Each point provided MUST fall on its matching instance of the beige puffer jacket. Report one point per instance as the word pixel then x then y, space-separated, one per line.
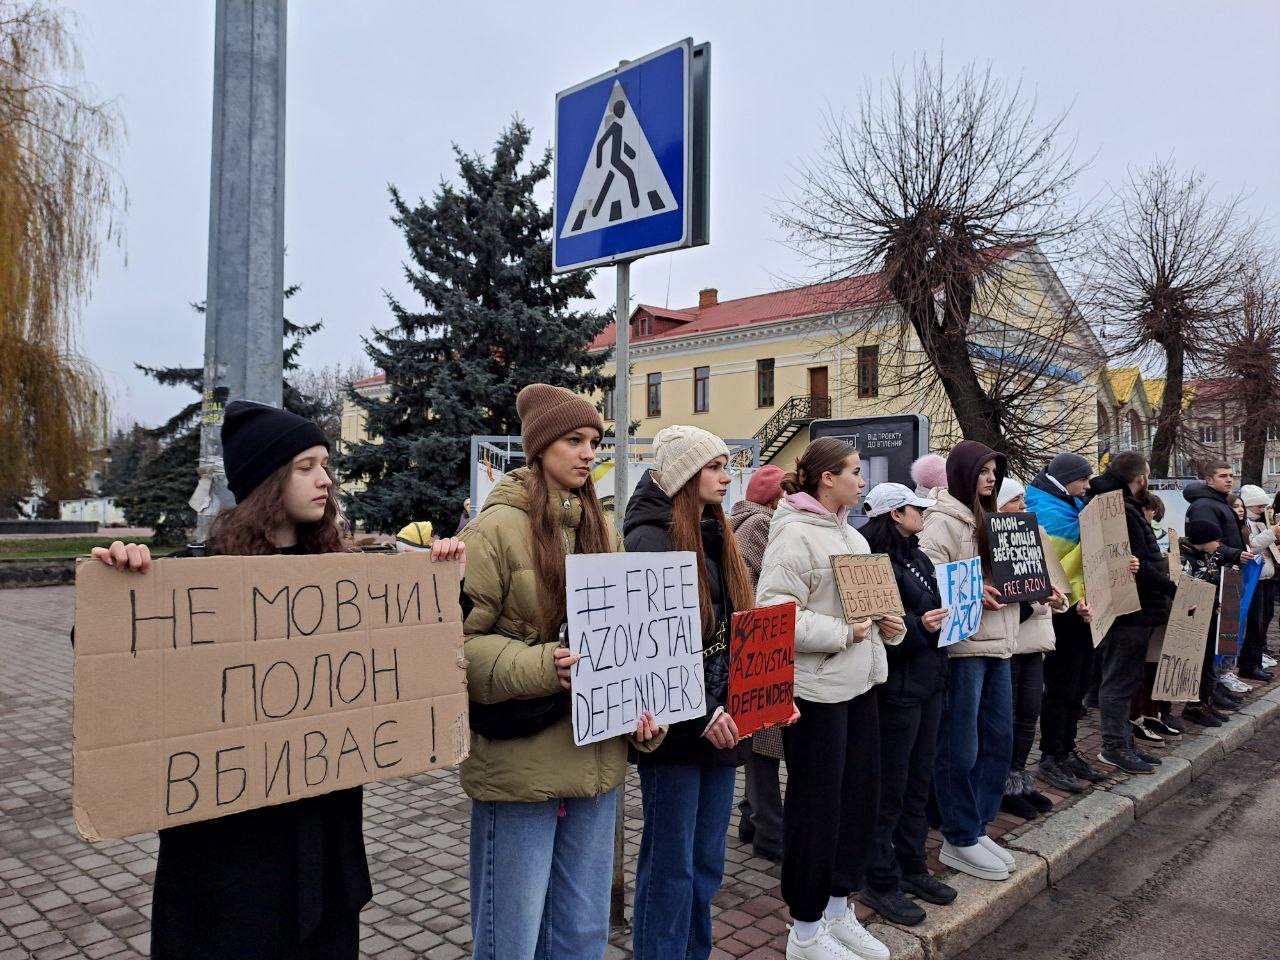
pixel 1035 634
pixel 803 538
pixel 949 535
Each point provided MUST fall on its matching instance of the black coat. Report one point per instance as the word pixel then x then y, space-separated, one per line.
pixel 1205 503
pixel 646 530
pixel 1155 589
pixel 284 882
pixel 917 667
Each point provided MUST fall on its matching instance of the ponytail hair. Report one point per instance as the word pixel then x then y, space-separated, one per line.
pixel 824 455
pixel 685 533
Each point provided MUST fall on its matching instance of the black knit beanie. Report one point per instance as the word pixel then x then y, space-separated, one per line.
pixel 1068 467
pixel 258 439
pixel 1200 532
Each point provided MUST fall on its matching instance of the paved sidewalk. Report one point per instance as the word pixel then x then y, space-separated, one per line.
pixel 61 897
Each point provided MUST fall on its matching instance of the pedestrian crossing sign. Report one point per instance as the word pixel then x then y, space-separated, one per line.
pixel 627 181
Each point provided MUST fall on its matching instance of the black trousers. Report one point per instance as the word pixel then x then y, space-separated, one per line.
pixel 1068 671
pixel 1027 671
pixel 1209 676
pixel 1124 654
pixel 833 790
pixel 908 744
pixel 761 804
pixel 1257 621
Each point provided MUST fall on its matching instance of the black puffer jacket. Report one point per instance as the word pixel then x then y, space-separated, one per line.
pixel 1155 589
pixel 1205 503
pixel 917 667
pixel 646 530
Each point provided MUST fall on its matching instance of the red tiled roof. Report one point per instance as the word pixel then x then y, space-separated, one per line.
pixel 813 300
pixel 375 381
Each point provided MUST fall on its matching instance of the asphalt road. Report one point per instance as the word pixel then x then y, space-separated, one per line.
pixel 1198 877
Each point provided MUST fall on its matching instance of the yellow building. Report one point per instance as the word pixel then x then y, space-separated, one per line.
pixel 766 366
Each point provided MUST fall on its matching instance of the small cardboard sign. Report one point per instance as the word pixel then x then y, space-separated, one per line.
pixel 635 622
pixel 762 667
pixel 1109 586
pixel 867 585
pixel 1182 652
pixel 960 583
pixel 1230 623
pixel 1174 558
pixel 215 685
pixel 1018 566
pixel 1057 574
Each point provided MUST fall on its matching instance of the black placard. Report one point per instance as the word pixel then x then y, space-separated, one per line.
pixel 1018 567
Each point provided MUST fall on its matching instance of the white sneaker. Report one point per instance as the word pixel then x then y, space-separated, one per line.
pixel 1005 856
pixel 1269 661
pixel 857 938
pixel 822 947
pixel 975 860
pixel 1234 683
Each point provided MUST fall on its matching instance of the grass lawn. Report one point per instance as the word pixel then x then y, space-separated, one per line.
pixel 63 548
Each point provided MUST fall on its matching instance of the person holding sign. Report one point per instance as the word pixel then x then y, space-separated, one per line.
pixel 1198 551
pixel 1124 649
pixel 976 740
pixel 1026 669
pixel 910 705
pixel 687 782
pixel 283 882
pixel 1258 617
pixel 543 810
pixel 833 750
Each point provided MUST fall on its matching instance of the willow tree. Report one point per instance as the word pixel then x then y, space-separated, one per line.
pixel 59 200
pixel 943 195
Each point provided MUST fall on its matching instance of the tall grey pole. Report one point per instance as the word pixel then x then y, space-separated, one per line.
pixel 244 318
pixel 622 391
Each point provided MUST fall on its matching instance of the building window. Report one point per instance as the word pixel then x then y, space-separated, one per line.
pixel 1273 465
pixel 642 327
pixel 1235 468
pixel 701 389
pixel 608 404
pixel 764 383
pixel 654 395
pixel 868 372
pixel 1238 432
pixel 1273 434
pixel 1208 433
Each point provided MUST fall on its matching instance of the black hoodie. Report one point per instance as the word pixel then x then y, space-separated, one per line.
pixel 1205 503
pixel 1155 589
pixel 646 529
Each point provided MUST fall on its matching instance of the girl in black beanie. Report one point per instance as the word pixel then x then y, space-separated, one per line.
pixel 284 882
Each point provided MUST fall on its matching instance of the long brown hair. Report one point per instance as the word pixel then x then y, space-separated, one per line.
pixel 824 455
pixel 245 530
pixel 549 546
pixel 685 533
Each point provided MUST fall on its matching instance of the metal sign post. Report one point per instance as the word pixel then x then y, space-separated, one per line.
pixel 621 391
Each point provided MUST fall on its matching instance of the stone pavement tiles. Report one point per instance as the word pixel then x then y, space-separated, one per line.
pixel 61 897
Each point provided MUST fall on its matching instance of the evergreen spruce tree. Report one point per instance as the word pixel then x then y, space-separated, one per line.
pixel 128 451
pixel 158 495
pixel 494 319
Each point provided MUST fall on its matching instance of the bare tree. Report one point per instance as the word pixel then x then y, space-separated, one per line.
pixel 58 198
pixel 1165 278
pixel 952 191
pixel 327 388
pixel 1248 355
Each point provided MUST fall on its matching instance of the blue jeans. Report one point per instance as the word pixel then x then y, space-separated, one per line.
pixel 540 879
pixel 681 864
pixel 975 746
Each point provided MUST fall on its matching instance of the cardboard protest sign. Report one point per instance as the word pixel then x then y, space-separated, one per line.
pixel 1182 652
pixel 1104 541
pixel 867 586
pixel 960 583
pixel 1174 557
pixel 1230 621
pixel 634 620
pixel 216 685
pixel 762 651
pixel 1057 575
pixel 1018 566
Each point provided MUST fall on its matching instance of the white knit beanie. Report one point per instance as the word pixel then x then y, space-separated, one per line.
pixel 679 452
pixel 1254 496
pixel 1010 489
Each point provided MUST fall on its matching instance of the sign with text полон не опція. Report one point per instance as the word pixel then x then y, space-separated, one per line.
pixel 216 685
pixel 635 622
pixel 1018 566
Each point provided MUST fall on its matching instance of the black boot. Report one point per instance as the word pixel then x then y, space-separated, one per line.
pixel 893 906
pixel 930 889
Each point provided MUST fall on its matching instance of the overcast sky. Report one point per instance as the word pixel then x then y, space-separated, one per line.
pixel 378 90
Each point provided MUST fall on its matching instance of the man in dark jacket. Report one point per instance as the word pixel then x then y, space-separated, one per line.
pixel 1124 649
pixel 1208 501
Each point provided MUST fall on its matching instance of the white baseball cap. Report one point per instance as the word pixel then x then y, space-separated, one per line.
pixel 893 496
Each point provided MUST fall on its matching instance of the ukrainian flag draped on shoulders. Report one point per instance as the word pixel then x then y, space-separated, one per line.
pixel 1059 514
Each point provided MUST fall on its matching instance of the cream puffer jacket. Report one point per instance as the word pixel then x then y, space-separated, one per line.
pixel 803 537
pixel 949 535
pixel 1035 634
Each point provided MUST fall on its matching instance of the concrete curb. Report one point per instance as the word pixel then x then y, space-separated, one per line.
pixel 1049 851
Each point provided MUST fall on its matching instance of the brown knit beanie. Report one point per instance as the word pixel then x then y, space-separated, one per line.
pixel 547 413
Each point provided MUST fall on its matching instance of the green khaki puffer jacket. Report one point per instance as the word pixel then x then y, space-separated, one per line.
pixel 506 660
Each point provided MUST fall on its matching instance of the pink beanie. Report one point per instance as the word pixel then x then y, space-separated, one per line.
pixel 765 485
pixel 930 472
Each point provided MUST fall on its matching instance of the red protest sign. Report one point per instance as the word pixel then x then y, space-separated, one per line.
pixel 762 667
